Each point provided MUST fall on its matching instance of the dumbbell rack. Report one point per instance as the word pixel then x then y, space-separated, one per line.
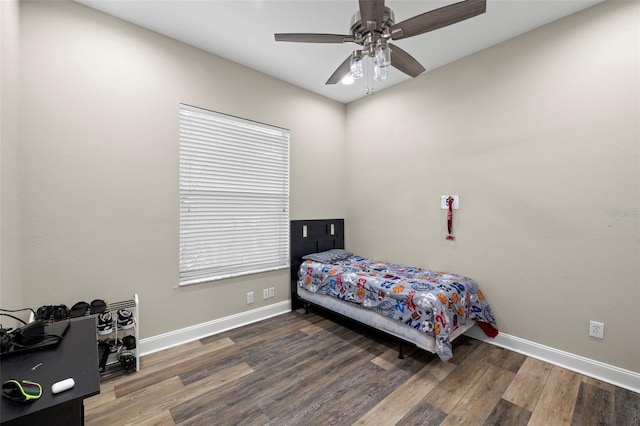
pixel 113 366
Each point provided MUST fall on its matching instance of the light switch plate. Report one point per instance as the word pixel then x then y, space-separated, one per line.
pixel 445 206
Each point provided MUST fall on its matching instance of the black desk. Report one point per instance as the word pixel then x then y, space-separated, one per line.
pixel 77 357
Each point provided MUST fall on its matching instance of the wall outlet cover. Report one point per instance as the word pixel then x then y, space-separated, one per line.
pixel 596 329
pixel 445 206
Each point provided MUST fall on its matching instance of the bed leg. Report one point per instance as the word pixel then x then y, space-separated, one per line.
pixel 401 353
pixel 306 308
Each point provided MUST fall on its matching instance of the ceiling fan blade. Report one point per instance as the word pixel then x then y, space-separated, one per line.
pixel 314 38
pixel 438 18
pixel 341 71
pixel 372 10
pixel 405 62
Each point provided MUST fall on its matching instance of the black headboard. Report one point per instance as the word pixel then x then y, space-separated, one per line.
pixel 321 235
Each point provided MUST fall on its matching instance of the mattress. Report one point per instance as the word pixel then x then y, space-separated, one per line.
pixel 428 308
pixel 379 322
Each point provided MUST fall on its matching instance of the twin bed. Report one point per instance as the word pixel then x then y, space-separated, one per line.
pixel 426 308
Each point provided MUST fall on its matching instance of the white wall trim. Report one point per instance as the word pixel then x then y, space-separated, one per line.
pixel 598 370
pixel 184 335
pixel 607 373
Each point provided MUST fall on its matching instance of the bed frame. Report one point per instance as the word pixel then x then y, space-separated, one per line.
pixel 312 236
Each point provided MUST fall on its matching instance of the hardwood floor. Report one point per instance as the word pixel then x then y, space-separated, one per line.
pixel 297 369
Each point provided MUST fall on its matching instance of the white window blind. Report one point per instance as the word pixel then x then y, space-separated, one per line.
pixel 234 196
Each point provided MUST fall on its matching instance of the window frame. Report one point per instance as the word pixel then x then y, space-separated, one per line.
pixel 234 196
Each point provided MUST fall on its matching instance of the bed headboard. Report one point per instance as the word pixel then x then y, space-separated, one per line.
pixel 312 236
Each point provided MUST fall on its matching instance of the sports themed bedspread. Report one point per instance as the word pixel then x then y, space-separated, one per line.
pixel 434 302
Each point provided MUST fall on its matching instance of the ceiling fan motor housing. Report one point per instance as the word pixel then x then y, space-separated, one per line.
pixel 368 33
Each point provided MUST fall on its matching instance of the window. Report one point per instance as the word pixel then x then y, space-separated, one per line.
pixel 234 196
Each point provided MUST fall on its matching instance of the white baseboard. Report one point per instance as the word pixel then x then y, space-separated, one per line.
pixel 607 373
pixel 598 370
pixel 198 331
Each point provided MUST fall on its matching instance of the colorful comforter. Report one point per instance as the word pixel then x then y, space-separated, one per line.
pixel 434 302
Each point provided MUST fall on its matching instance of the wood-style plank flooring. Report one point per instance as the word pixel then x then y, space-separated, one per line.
pixel 315 369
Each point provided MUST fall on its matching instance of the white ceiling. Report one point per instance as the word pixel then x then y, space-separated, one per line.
pixel 242 31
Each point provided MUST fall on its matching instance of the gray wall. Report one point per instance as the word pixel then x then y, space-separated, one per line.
pixel 539 138
pixel 10 213
pixel 98 161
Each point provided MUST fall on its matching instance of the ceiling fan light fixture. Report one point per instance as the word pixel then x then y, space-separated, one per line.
pixel 347 80
pixel 356 67
pixel 382 54
pixel 373 26
pixel 380 73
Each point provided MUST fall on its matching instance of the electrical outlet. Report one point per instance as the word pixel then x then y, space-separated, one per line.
pixel 272 292
pixel 596 329
pixel 444 202
pixel 249 298
pixel 265 293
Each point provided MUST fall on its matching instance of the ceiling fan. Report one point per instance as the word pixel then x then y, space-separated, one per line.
pixel 373 25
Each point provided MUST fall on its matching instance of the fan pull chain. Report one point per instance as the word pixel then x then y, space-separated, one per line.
pixel 370 89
